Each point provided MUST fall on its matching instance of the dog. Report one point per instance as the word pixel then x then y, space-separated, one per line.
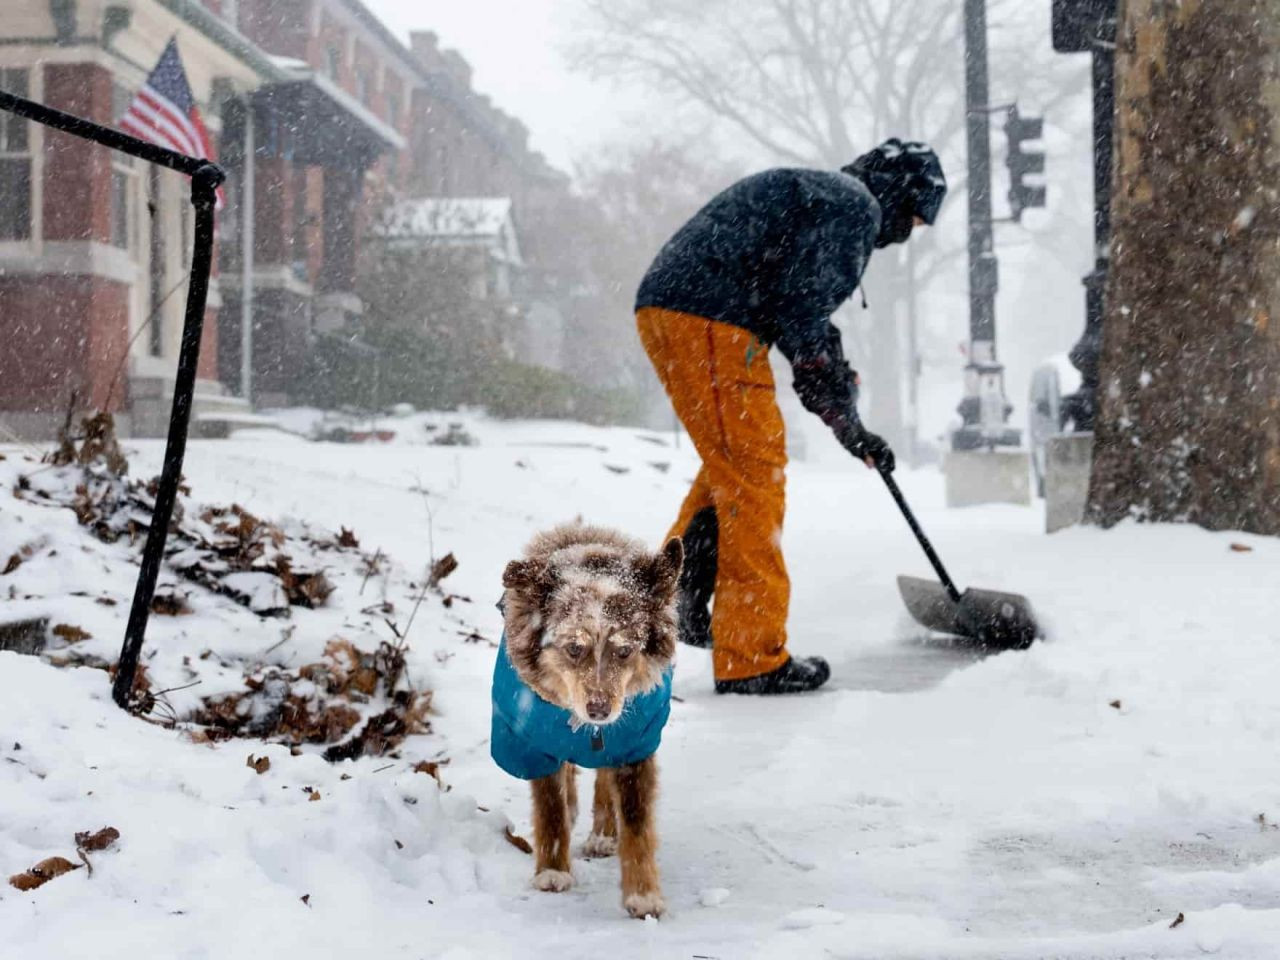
pixel 583 679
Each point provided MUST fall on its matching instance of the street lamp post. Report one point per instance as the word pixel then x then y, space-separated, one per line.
pixel 985 410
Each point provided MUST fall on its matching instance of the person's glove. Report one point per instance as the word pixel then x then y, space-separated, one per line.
pixel 870 448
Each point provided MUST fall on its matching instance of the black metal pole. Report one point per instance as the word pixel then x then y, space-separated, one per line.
pixel 205 177
pixel 1089 26
pixel 204 186
pixel 1081 407
pixel 88 130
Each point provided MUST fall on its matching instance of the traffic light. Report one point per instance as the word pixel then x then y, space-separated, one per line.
pixel 1024 162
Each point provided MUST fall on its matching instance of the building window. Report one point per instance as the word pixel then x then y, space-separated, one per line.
pixel 393 108
pixel 301 224
pixel 363 87
pixel 333 63
pixel 122 202
pixel 15 163
pixel 124 184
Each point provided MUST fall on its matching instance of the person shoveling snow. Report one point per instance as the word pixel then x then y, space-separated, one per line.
pixel 763 264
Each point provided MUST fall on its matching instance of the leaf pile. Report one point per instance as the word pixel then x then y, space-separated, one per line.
pixel 225 549
pixel 355 702
pixel 322 703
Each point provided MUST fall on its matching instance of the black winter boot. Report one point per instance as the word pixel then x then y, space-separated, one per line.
pixel 698 578
pixel 794 676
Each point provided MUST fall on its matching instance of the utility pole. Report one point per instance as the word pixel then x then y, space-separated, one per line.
pixel 984 409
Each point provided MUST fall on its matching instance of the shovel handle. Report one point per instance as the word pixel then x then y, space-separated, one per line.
pixel 923 540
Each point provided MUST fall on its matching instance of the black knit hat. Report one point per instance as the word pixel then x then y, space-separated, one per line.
pixel 896 172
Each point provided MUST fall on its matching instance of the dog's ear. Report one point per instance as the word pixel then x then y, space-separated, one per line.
pixel 520 573
pixel 661 572
pixel 529 585
pixel 663 577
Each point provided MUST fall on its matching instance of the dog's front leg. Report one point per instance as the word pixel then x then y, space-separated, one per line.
pixel 638 843
pixel 551 827
pixel 603 841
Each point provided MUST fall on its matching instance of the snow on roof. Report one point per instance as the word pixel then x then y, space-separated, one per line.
pixel 468 221
pixel 476 217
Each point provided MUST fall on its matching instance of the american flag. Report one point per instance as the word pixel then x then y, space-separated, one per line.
pixel 165 113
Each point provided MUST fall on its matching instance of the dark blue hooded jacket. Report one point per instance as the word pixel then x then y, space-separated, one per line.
pixel 531 738
pixel 778 252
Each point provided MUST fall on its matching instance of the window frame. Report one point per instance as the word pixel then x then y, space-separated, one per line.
pixel 394 107
pixel 125 175
pixel 29 151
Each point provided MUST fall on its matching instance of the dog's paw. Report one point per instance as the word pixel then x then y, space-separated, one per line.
pixel 553 881
pixel 641 905
pixel 599 846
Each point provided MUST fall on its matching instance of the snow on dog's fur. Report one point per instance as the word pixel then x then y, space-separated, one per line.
pixel 590 622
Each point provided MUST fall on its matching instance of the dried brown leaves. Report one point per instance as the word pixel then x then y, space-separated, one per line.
pixel 441 569
pixel 54 867
pixel 171 604
pixel 97 441
pixel 432 769
pixel 71 634
pixel 206 549
pixel 319 704
pixel 42 873
pixel 95 842
pixel 517 841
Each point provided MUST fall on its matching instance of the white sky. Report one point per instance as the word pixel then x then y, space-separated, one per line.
pixel 515 49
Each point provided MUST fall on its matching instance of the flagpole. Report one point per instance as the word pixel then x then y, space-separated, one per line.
pixel 247 240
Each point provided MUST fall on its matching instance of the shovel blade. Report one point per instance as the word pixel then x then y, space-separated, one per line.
pixel 992 619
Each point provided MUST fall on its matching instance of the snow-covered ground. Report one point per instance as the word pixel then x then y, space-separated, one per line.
pixel 1068 801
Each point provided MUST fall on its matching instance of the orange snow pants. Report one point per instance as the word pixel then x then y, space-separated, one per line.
pixel 718 378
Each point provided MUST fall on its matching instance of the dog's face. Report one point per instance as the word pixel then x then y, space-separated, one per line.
pixel 591 624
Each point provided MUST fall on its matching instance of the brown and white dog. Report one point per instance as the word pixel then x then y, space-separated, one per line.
pixel 591 631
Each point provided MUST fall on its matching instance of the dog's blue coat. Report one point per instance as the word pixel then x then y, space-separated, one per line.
pixel 531 738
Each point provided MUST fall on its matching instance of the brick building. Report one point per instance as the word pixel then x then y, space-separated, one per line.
pixel 320 115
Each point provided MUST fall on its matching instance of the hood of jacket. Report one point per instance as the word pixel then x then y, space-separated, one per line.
pixel 907 181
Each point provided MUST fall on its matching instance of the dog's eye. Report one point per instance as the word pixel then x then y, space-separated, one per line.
pixel 575 650
pixel 625 652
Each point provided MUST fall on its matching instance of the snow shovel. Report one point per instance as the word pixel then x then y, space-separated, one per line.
pixel 998 621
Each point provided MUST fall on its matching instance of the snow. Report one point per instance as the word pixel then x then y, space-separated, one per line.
pixel 930 803
pixel 454 216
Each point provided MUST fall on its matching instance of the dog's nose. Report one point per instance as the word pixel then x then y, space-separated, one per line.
pixel 597 708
